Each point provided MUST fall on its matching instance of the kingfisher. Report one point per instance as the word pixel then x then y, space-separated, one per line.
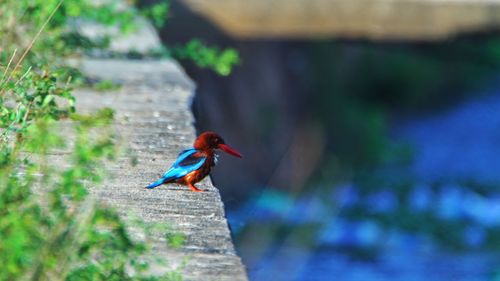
pixel 194 164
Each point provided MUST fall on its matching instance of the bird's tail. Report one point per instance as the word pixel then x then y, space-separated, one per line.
pixel 159 182
pixel 156 183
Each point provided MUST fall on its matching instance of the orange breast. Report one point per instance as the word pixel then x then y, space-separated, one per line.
pixel 198 175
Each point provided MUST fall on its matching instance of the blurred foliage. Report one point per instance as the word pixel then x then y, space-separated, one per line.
pixel 175 240
pixel 22 20
pixel 221 61
pixel 359 89
pixel 157 13
pixel 106 85
pixel 356 86
pixel 50 228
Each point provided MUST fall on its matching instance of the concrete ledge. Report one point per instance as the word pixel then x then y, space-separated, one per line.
pixel 374 19
pixel 153 123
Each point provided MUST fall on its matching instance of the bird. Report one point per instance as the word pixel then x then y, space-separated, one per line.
pixel 194 164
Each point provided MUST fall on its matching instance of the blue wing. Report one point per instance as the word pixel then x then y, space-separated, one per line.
pixel 187 162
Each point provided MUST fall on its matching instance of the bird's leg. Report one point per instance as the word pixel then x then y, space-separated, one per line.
pixel 194 188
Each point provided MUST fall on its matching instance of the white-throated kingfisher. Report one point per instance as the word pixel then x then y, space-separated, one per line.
pixel 194 164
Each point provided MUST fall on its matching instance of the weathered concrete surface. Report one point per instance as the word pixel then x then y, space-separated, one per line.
pixel 153 123
pixel 376 19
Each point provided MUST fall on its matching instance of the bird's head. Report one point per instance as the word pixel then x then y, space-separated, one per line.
pixel 210 140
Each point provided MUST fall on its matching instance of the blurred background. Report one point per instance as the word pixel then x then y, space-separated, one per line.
pixel 370 130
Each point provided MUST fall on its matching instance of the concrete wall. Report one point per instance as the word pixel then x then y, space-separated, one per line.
pixel 375 19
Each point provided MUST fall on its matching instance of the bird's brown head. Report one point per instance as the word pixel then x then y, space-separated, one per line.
pixel 210 140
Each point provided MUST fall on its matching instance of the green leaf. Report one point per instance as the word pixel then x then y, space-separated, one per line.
pixel 47 100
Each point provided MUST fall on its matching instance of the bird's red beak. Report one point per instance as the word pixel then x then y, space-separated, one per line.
pixel 230 150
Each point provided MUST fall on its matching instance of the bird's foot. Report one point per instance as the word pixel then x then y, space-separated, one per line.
pixel 194 188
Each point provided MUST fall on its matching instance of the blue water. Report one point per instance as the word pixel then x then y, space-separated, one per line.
pixel 391 253
pixel 460 143
pixel 443 228
pixel 293 264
